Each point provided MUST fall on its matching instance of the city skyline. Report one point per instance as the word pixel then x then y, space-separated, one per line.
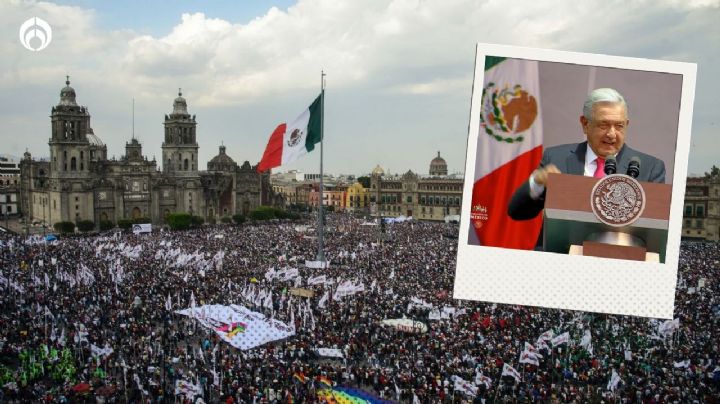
pixel 399 73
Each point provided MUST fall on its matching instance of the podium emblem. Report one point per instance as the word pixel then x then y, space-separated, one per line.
pixel 618 200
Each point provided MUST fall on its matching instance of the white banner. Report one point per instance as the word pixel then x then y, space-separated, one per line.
pixel 348 288
pixel 407 325
pixel 317 264
pixel 330 352
pixel 142 228
pixel 317 280
pixel 100 352
pixel 464 386
pixel 614 381
pixel 434 315
pixel 240 326
pixel 188 389
pixel 668 327
pixel 682 364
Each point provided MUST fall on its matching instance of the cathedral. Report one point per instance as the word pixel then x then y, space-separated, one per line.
pixel 79 182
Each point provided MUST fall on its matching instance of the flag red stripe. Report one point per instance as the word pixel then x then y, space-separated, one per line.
pixel 493 192
pixel 273 151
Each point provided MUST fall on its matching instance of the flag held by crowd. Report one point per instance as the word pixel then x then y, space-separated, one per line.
pixel 511 371
pixel 563 338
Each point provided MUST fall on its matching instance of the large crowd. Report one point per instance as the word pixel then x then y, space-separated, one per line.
pixel 94 318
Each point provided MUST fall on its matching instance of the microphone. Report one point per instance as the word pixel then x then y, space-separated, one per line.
pixel 634 167
pixel 610 165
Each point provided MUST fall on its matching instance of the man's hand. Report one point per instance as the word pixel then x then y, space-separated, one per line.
pixel 541 174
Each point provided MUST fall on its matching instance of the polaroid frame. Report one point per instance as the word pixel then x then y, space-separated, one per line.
pixel 536 278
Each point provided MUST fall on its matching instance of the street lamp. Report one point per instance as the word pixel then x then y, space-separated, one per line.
pixel 45 202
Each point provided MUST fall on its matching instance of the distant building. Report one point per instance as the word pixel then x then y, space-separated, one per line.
pixel 431 197
pixel 357 198
pixel 9 186
pixel 701 210
pixel 438 166
pixel 79 182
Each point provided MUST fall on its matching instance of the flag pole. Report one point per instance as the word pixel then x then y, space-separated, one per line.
pixel 321 224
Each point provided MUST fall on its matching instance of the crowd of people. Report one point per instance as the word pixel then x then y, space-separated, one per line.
pixel 94 318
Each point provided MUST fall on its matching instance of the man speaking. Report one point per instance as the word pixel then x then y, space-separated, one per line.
pixel 604 122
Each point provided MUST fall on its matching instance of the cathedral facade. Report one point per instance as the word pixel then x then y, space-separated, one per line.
pixel 79 182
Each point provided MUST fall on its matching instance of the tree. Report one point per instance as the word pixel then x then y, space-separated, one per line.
pixel 238 218
pixel 262 213
pixel 106 225
pixel 196 221
pixel 125 223
pixel 365 181
pixel 85 225
pixel 178 221
pixel 714 172
pixel 64 227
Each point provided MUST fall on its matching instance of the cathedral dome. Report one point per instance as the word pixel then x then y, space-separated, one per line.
pixel 94 140
pixel 438 166
pixel 221 162
pixel 67 94
pixel 378 170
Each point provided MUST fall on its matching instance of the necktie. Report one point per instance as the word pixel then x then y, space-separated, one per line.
pixel 600 170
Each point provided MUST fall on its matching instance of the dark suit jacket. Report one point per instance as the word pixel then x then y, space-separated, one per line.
pixel 570 159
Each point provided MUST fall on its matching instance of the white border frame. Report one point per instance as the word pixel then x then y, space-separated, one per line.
pixel 593 284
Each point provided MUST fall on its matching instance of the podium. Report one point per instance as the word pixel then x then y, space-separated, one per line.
pixel 571 225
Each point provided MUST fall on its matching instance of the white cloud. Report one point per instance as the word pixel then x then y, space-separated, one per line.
pixel 397 48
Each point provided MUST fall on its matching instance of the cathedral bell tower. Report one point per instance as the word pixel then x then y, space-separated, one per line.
pixel 70 124
pixel 180 148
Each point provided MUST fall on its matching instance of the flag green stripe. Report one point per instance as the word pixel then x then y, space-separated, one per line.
pixel 491 61
pixel 314 124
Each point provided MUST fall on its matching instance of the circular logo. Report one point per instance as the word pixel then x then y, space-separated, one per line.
pixel 35 34
pixel 618 200
pixel 295 138
pixel 507 112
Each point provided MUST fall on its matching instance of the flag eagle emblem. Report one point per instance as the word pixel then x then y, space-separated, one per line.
pixel 507 112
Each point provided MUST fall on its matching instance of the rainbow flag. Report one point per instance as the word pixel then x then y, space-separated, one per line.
pixel 347 395
pixel 300 377
pixel 327 383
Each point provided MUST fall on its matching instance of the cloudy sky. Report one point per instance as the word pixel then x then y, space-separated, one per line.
pixel 399 72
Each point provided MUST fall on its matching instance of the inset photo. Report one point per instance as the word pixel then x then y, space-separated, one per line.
pixel 575 177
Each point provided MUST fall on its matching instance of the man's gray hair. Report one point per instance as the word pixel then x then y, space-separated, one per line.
pixel 602 95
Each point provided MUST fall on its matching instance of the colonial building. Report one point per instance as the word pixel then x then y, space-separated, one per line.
pixel 701 213
pixel 357 198
pixel 79 182
pixel 9 186
pixel 431 197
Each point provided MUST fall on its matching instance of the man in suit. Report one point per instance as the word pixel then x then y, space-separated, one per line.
pixel 604 122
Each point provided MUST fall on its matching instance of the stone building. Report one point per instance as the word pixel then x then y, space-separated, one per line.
pixel 79 182
pixel 701 210
pixel 9 186
pixel 431 197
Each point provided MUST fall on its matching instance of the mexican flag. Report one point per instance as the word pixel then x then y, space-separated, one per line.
pixel 289 142
pixel 509 148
